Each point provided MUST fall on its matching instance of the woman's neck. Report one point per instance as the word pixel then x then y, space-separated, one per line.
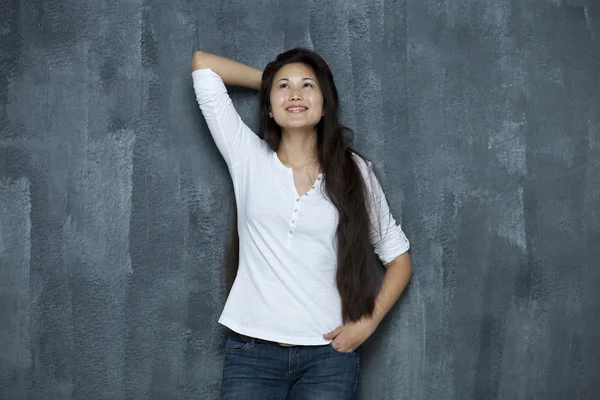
pixel 298 149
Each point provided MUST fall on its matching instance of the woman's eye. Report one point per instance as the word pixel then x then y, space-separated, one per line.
pixel 283 85
pixel 308 84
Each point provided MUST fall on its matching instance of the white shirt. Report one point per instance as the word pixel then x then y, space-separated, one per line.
pixel 285 289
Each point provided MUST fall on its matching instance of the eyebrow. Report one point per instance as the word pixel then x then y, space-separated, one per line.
pixel 286 79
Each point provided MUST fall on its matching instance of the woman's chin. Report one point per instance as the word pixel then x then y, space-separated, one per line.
pixel 298 125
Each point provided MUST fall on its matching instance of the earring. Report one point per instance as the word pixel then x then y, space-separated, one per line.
pixel 270 115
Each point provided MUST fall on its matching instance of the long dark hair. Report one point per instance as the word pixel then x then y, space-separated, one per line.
pixel 344 186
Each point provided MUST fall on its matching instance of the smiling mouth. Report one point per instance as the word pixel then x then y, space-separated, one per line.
pixel 296 109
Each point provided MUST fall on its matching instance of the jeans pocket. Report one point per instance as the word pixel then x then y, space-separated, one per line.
pixel 235 345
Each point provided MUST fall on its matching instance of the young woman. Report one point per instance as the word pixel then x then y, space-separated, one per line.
pixel 311 216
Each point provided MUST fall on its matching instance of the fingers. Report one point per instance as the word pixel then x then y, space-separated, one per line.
pixel 341 346
pixel 340 343
pixel 331 335
pixel 342 349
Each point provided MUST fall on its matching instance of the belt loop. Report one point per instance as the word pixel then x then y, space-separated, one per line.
pixel 252 342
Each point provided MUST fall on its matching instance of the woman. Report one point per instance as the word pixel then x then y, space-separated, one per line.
pixel 310 217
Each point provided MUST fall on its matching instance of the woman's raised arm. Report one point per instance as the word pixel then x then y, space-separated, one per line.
pixel 232 72
pixel 210 74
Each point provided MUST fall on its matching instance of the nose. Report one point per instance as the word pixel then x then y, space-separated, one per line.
pixel 295 95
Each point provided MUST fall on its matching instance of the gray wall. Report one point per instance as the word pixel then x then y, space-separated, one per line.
pixel 482 117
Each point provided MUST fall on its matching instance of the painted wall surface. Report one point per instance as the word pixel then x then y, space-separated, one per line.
pixel 482 119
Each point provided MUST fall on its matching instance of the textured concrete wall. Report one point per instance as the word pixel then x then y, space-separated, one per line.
pixel 482 117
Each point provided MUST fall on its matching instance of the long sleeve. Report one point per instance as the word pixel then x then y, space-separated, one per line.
pixel 233 138
pixel 387 237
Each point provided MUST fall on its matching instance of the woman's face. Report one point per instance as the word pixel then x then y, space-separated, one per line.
pixel 296 98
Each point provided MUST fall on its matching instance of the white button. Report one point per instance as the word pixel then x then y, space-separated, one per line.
pixel 297 199
pixel 293 221
pixel 313 187
pixel 319 178
pixel 295 210
pixel 291 232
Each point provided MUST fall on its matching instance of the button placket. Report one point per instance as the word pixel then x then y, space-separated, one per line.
pixel 294 217
pixel 296 209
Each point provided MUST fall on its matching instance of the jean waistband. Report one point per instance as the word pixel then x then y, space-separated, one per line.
pixel 257 340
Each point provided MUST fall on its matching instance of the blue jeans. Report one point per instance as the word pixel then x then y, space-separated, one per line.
pixel 267 371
